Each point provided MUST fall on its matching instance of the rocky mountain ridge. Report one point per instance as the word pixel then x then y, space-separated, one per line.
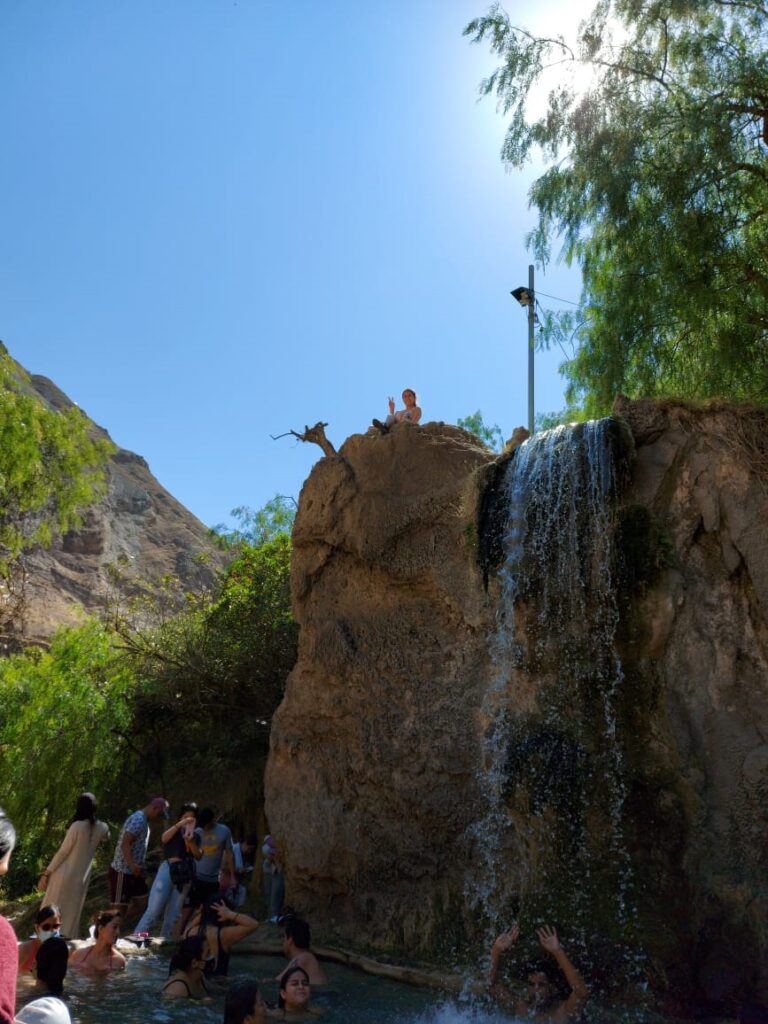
pixel 138 527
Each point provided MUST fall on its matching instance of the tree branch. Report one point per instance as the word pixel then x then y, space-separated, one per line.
pixel 316 435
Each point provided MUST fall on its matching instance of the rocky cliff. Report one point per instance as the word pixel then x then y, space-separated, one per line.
pixel 379 765
pixel 138 526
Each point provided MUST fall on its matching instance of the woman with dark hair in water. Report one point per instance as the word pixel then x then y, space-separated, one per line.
pixel 185 971
pixel 65 880
pixel 47 925
pixel 221 927
pixel 102 955
pixel 9 956
pixel 243 1005
pixel 295 993
pixel 52 962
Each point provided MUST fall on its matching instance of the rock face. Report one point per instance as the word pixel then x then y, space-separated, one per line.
pixel 374 749
pixel 376 770
pixel 696 645
pixel 138 526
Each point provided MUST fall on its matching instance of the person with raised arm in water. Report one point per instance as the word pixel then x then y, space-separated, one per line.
pixel 541 1002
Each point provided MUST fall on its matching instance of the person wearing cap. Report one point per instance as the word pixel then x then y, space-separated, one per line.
pixel 126 873
pixel 48 1010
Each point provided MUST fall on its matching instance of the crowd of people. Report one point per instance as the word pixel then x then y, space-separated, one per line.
pixel 198 891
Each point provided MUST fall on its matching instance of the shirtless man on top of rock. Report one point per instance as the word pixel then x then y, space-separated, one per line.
pixel 541 1002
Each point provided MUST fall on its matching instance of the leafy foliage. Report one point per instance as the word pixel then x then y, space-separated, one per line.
pixel 548 420
pixel 212 668
pixel 64 717
pixel 51 466
pixel 658 187
pixel 174 693
pixel 260 526
pixel 490 436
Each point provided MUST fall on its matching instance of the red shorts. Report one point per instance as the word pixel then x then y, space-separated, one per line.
pixel 123 888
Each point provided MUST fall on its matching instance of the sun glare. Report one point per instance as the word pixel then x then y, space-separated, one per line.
pixel 562 18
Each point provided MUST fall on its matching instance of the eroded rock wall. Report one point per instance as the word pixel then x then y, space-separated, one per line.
pixel 696 656
pixel 377 748
pixel 370 782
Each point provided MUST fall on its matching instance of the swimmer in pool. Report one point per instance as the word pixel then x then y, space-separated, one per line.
pixel 541 1002
pixel 186 970
pixel 102 955
pixel 295 993
pixel 243 1005
pixel 296 943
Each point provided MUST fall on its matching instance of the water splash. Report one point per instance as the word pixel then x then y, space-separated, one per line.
pixel 550 839
pixel 460 1013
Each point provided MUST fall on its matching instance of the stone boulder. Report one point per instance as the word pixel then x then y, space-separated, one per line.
pixel 377 752
pixel 372 766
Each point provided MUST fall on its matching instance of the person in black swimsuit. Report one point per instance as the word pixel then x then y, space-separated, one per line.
pixel 185 971
pixel 221 927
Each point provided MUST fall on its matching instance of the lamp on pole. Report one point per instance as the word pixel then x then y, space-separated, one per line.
pixel 526 298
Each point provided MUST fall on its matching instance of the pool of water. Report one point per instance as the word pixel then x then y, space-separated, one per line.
pixel 131 997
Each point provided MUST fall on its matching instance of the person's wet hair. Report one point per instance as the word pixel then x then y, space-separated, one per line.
pixel 85 808
pixel 7 834
pixel 239 1002
pixel 104 918
pixel 51 964
pixel 284 982
pixel 190 949
pixel 51 910
pixel 296 928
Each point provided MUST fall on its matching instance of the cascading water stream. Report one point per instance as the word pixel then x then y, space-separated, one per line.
pixel 549 839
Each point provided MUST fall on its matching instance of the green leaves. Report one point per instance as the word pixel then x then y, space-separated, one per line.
pixel 658 188
pixel 490 436
pixel 51 466
pixel 63 717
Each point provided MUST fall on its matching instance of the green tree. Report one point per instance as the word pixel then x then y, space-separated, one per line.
pixel 490 436
pixel 51 466
pixel 65 714
pixel 212 669
pixel 657 185
pixel 257 527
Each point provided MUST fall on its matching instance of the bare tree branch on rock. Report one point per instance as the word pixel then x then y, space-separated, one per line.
pixel 314 434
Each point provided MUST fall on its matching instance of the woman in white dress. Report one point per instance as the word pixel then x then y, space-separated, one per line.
pixel 65 880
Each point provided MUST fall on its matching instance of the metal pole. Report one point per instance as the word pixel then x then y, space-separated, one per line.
pixel 531 315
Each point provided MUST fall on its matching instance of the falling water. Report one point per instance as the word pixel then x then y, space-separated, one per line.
pixel 549 844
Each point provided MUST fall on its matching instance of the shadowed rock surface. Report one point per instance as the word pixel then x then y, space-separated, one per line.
pixel 138 526
pixel 376 765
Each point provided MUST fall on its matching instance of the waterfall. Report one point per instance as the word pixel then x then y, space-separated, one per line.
pixel 549 841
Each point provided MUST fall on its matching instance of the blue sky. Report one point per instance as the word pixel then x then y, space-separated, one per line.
pixel 222 220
